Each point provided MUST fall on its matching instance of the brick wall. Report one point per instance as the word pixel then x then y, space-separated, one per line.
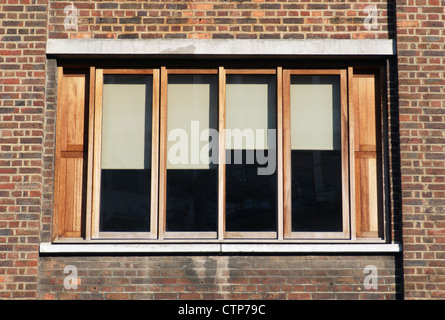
pixel 221 19
pixel 23 32
pixel 27 115
pixel 217 277
pixel 421 65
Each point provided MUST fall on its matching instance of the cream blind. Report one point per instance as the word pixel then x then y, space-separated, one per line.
pixel 315 113
pixel 250 111
pixel 192 120
pixel 126 122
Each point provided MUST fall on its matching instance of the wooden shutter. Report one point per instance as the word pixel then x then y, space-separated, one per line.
pixel 70 162
pixel 367 155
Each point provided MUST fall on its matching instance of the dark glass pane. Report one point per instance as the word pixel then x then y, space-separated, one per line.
pixel 192 200
pixel 251 198
pixel 316 191
pixel 126 153
pixel 125 200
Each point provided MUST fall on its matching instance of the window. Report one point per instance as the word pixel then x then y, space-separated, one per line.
pixel 189 169
pixel 125 150
pixel 315 156
pixel 222 154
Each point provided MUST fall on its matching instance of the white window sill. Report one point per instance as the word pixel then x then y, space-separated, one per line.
pixel 219 248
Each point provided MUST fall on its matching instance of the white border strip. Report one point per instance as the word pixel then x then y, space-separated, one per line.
pixel 126 248
pixel 221 47
pixel 48 247
pixel 314 248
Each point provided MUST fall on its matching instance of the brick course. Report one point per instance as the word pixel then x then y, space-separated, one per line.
pixel 259 19
pixel 218 277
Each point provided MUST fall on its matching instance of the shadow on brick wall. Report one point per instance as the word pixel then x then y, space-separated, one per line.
pixel 393 171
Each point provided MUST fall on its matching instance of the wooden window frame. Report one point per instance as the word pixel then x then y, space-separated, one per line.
pixel 95 137
pixel 163 233
pixel 237 235
pixel 284 233
pixel 288 233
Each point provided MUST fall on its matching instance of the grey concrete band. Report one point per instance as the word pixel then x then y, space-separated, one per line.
pixel 328 47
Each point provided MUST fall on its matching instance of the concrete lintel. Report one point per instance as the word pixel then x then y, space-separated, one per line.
pixel 278 47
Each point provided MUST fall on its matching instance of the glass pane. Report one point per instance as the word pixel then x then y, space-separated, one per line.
pixel 316 154
pixel 126 153
pixel 125 200
pixel 192 153
pixel 126 122
pixel 251 181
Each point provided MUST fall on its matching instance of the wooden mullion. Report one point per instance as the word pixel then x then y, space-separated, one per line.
pixel 279 151
pixel 222 155
pixel 345 152
pixel 89 188
pixel 287 171
pixel 155 156
pixel 96 175
pixel 163 155
pixel 352 164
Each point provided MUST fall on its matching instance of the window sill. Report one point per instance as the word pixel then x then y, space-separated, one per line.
pixel 52 248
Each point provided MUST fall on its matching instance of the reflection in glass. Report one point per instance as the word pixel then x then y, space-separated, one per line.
pixel 251 197
pixel 125 200
pixel 316 191
pixel 126 153
pixel 192 172
pixel 316 154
